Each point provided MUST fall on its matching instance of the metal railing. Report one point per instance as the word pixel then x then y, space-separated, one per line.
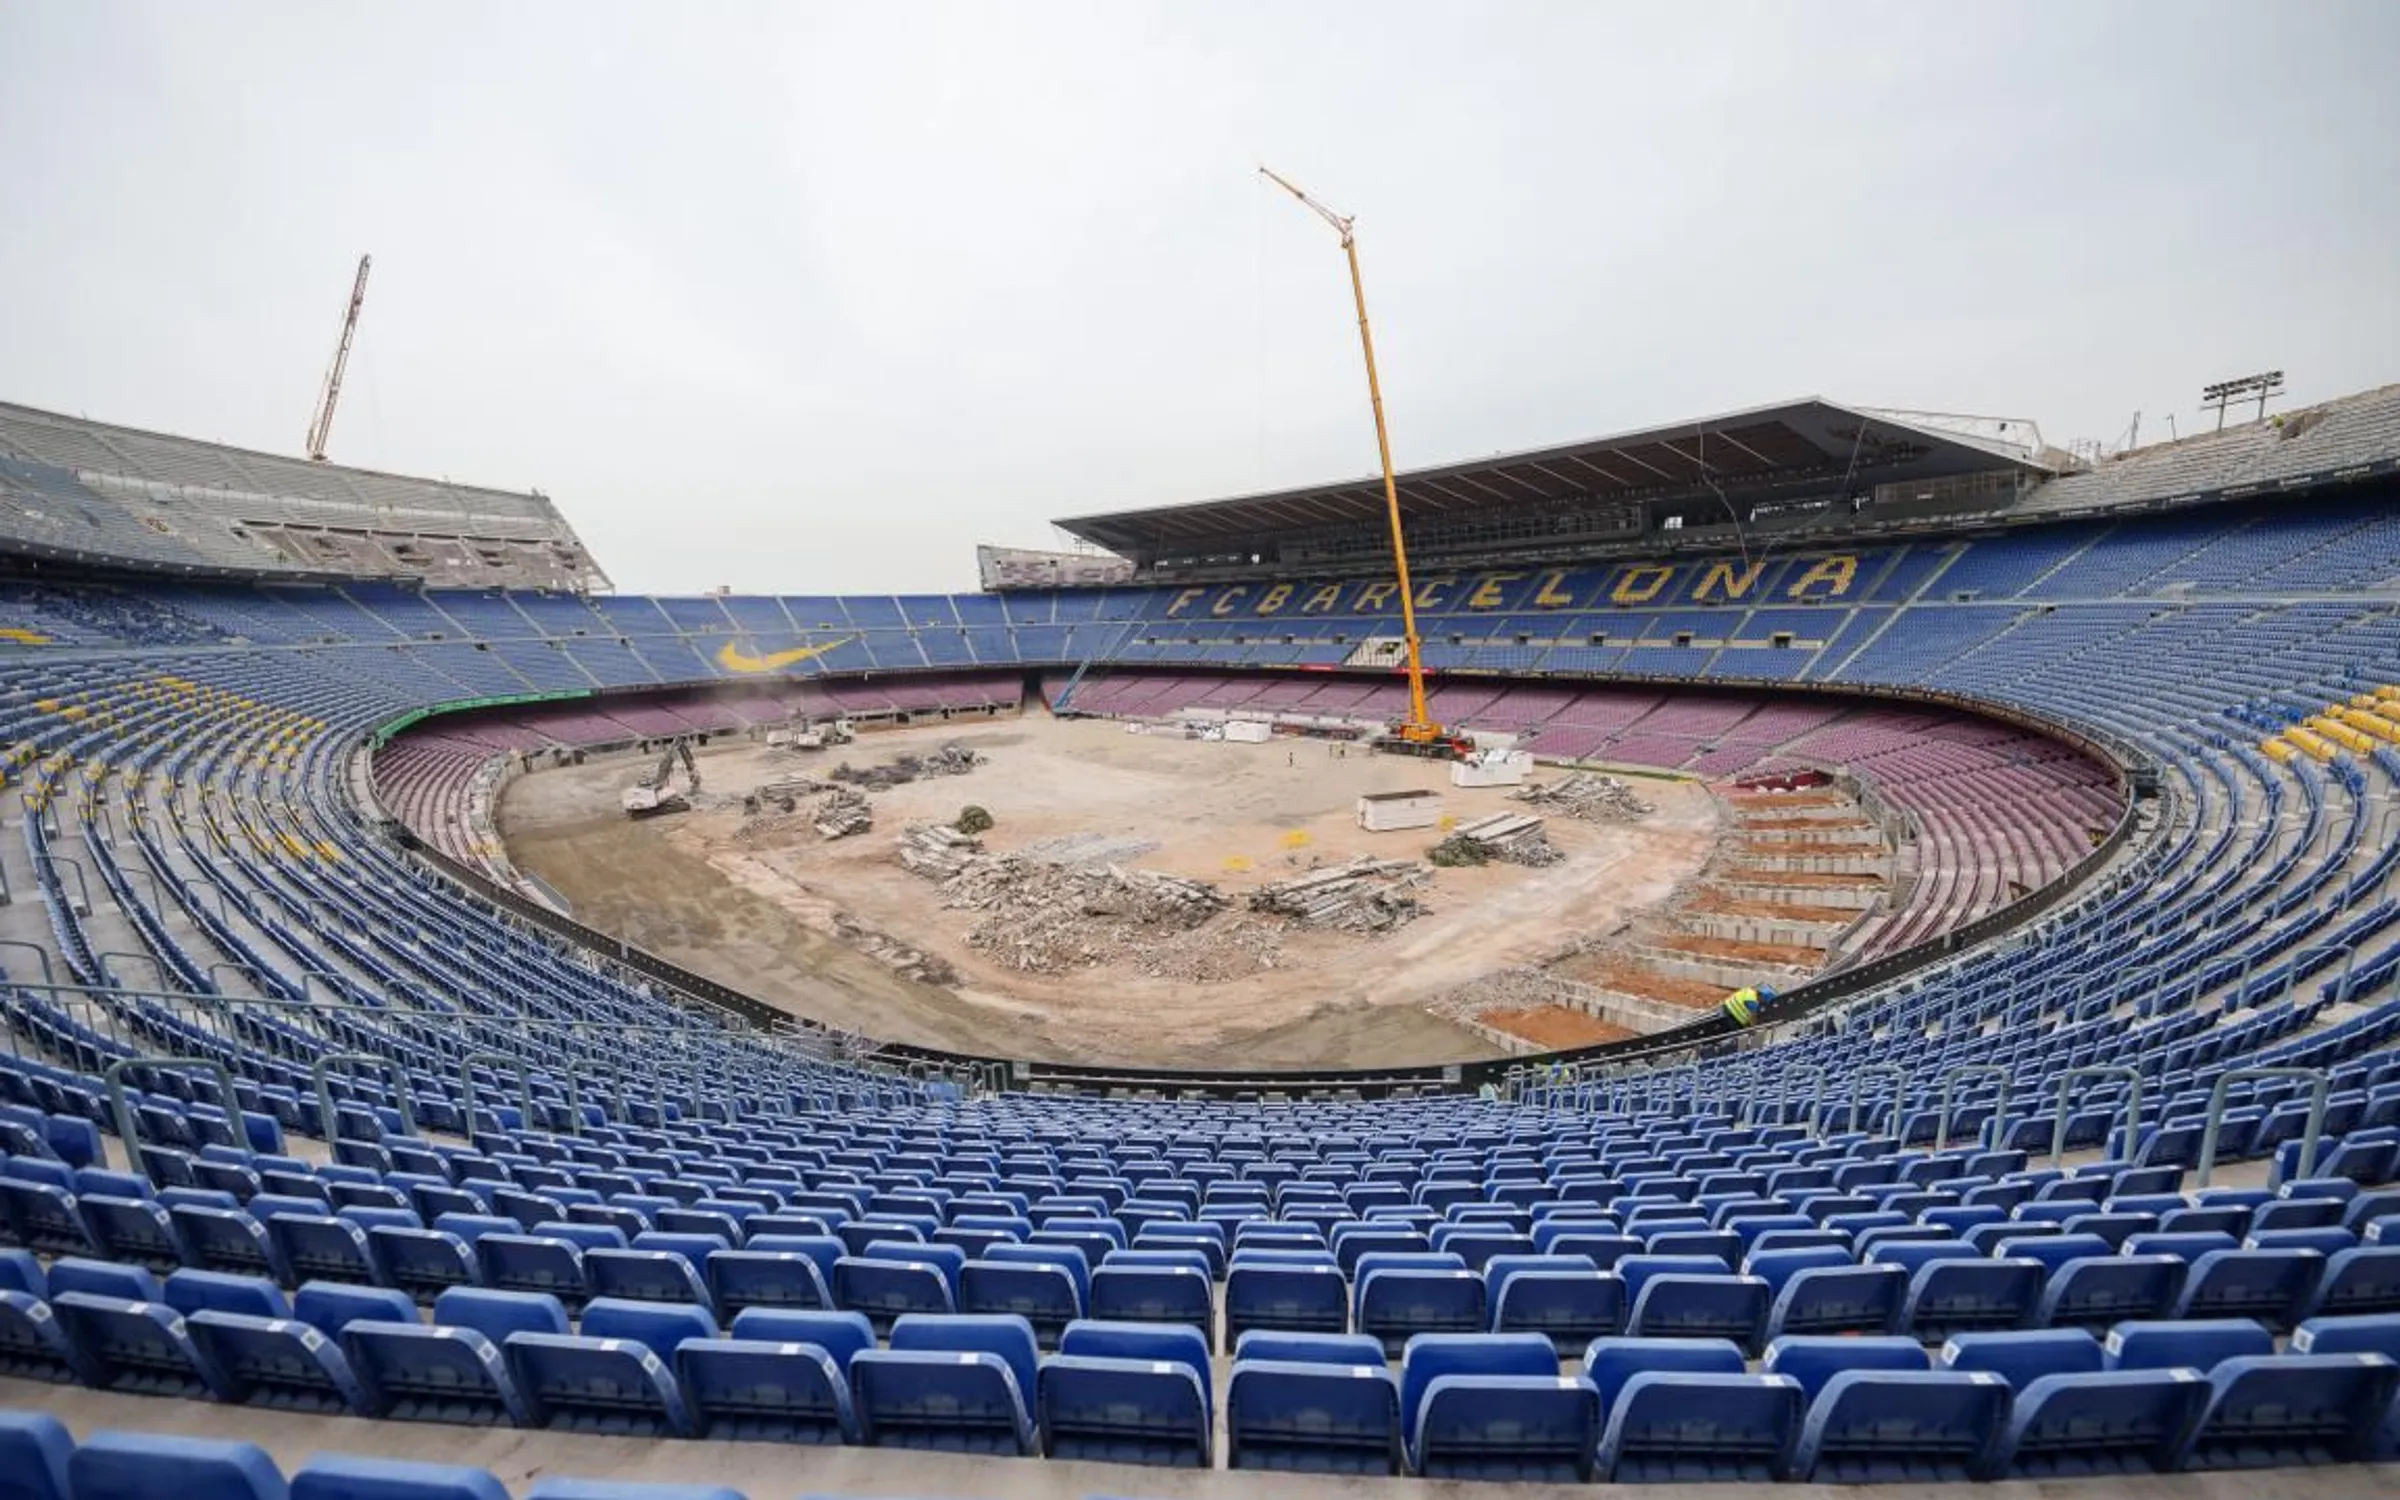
pixel 1951 1078
pixel 2066 1086
pixel 1858 1092
pixel 2320 1089
pixel 129 1125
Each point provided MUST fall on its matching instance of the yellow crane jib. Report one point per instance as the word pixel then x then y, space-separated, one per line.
pixel 1419 729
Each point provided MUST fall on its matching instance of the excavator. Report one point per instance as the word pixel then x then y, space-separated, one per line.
pixel 656 793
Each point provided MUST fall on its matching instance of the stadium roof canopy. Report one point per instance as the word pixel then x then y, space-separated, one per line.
pixel 1804 442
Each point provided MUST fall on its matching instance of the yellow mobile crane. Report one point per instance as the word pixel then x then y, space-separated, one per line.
pixel 1418 732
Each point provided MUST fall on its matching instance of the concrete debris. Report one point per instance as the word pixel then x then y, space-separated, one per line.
pixel 1088 849
pixel 1234 946
pixel 1587 795
pixel 1365 895
pixel 1504 989
pixel 1047 919
pixel 1513 838
pixel 952 759
pixel 937 851
pixel 843 812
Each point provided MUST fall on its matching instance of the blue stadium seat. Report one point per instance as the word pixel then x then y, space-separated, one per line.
pixel 1126 1410
pixel 416 1373
pixel 1569 1307
pixel 1674 1305
pixel 343 1476
pixel 331 1306
pixel 742 1279
pixel 886 1290
pixel 1681 1427
pixel 2273 1286
pixel 1397 1303
pixel 2194 1344
pixel 644 1276
pixel 1947 1297
pixel 496 1315
pixel 144 1466
pixel 140 1231
pixel 1611 1362
pixel 104 1278
pixel 421 1262
pixel 32 1344
pixel 278 1363
pixel 1312 1416
pixel 41 1216
pixel 757 1391
pixel 189 1292
pixel 231 1241
pixel 1154 1294
pixel 1431 1356
pixel 2096 1292
pixel 1309 1348
pixel 595 1385
pixel 2286 1410
pixel 1813 1360
pixel 34 1447
pixel 2023 1356
pixel 2101 1422
pixel 546 1264
pixel 1881 1426
pixel 2359 1281
pixel 21 1271
pixel 1046 1296
pixel 1837 1299
pixel 139 1348
pixel 1513 1427
pixel 948 1383
pixel 1285 1299
pixel 840 1334
pixel 318 1247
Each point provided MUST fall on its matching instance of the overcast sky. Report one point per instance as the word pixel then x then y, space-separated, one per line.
pixel 811 296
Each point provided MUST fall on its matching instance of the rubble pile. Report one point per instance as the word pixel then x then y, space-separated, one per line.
pixel 1504 989
pixel 1365 895
pixel 1587 795
pixel 843 812
pixel 1512 838
pixel 1046 919
pixel 1235 946
pixel 952 759
pixel 937 851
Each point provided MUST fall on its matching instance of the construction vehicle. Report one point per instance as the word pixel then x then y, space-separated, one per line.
pixel 656 792
pixel 1417 734
pixel 801 734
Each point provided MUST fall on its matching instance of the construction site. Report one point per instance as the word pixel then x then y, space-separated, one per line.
pixel 1107 891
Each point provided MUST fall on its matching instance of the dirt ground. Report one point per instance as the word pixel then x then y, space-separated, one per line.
pixel 781 917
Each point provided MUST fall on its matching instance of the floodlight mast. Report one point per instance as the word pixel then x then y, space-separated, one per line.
pixel 1420 729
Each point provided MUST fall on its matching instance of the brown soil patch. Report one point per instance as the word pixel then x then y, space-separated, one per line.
pixel 1759 953
pixel 785 916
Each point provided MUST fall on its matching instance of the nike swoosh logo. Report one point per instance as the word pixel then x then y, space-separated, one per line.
pixel 734 659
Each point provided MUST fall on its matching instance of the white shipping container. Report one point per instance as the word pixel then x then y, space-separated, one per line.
pixel 1387 812
pixel 1247 731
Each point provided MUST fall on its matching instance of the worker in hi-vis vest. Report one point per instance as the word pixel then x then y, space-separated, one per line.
pixel 1746 1004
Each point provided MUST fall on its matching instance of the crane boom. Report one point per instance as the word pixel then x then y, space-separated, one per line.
pixel 320 429
pixel 1420 729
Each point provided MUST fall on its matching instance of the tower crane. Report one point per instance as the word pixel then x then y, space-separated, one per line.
pixel 320 429
pixel 1418 732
